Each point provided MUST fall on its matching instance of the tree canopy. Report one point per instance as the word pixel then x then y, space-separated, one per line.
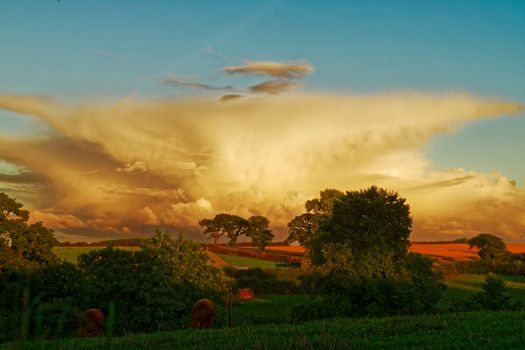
pixel 23 244
pixel 490 246
pixel 259 232
pixel 233 227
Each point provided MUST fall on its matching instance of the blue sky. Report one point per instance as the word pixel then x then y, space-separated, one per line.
pixel 80 51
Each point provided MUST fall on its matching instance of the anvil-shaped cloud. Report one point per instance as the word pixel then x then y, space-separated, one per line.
pixel 124 167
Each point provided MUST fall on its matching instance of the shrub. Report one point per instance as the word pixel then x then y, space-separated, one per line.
pixel 153 288
pixel 267 281
pixel 41 302
pixel 494 297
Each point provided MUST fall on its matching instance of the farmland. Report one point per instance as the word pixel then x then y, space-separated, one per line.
pixel 456 251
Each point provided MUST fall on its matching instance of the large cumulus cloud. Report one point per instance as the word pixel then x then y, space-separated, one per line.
pixel 110 169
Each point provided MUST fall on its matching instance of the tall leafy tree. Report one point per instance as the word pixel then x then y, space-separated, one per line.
pixel 490 247
pixel 259 232
pixel 303 228
pixel 374 223
pixel 225 225
pixel 22 244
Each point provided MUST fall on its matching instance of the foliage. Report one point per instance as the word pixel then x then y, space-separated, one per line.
pixel 494 297
pixel 153 288
pixel 490 247
pixel 267 281
pixel 41 302
pixel 22 244
pixel 259 232
pixel 231 226
pixel 361 264
pixel 303 228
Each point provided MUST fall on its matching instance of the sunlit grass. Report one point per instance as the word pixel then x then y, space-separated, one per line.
pixel 247 262
pixel 71 253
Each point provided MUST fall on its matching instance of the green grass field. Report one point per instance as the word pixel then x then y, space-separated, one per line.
pixel 487 330
pixel 462 286
pixel 71 253
pixel 246 262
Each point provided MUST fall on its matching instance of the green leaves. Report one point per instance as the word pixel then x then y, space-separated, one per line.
pixel 22 244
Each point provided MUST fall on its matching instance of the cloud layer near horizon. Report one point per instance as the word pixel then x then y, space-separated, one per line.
pixel 121 168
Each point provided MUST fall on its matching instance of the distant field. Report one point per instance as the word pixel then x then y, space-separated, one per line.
pixel 456 251
pixel 71 253
pixel 246 262
pixel 472 331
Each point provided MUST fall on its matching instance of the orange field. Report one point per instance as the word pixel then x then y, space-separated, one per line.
pixel 457 251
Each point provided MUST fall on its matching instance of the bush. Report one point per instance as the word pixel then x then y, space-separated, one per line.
pixel 494 298
pixel 152 289
pixel 41 302
pixel 268 281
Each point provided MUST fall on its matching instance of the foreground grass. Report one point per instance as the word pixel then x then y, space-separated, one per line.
pixel 463 286
pixel 487 330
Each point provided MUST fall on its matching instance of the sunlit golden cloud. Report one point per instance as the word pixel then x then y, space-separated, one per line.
pixel 273 87
pixel 121 168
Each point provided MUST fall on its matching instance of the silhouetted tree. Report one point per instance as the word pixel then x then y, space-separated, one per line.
pixel 490 247
pixel 304 228
pixel 231 226
pixel 259 232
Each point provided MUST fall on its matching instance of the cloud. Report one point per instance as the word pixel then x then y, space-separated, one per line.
pixel 229 97
pixel 133 168
pixel 124 167
pixel 175 82
pixel 273 87
pixel 274 69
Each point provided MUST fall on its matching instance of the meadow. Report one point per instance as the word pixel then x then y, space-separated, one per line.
pixel 475 330
pixel 71 253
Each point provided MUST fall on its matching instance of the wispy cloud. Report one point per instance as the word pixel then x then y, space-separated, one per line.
pixel 273 87
pixel 229 97
pixel 274 69
pixel 179 83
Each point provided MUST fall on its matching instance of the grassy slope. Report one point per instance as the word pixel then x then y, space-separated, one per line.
pixel 463 286
pixel 452 331
pixel 246 262
pixel 71 253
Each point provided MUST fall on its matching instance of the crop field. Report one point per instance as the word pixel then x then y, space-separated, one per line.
pixel 477 330
pixel 456 251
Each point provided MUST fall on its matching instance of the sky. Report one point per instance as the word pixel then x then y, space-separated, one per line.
pixel 117 117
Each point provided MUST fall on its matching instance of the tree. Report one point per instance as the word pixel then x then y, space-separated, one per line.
pixel 231 226
pixel 259 232
pixel 490 247
pixel 22 244
pixel 234 226
pixel 303 228
pixel 373 222
pixel 359 253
